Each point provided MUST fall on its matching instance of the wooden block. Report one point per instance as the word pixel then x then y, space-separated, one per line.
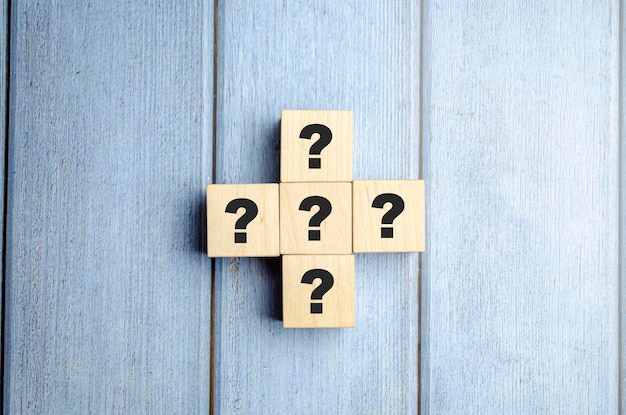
pixel 242 220
pixel 389 216
pixel 316 218
pixel 318 291
pixel 316 146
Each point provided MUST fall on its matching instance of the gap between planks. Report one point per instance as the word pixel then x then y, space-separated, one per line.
pixel 7 62
pixel 213 95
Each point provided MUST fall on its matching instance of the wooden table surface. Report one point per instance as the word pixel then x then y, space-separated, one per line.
pixel 120 113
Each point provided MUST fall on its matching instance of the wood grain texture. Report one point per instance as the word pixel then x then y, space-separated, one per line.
pixel 258 231
pixel 333 235
pixel 4 51
pixel 521 147
pixel 304 305
pixel 361 56
pixel 325 152
pixel 107 283
pixel 108 286
pixel 382 223
pixel 622 217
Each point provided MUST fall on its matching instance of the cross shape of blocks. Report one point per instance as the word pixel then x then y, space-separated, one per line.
pixel 316 218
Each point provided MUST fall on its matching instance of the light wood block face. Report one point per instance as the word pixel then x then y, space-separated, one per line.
pixel 316 146
pixel 242 220
pixel 389 216
pixel 318 291
pixel 315 218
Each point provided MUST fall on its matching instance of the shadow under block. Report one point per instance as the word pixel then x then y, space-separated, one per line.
pixel 242 220
pixel 389 216
pixel 316 218
pixel 325 155
pixel 318 291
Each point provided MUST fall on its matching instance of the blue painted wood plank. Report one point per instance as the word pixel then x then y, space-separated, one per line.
pixel 4 50
pixel 362 56
pixel 108 286
pixel 622 220
pixel 521 147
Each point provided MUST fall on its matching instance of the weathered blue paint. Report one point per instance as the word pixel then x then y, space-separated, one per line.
pixel 108 289
pixel 4 27
pixel 521 147
pixel 362 56
pixel 622 219
pixel 108 306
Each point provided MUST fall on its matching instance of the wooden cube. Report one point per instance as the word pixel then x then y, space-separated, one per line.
pixel 315 218
pixel 318 291
pixel 389 216
pixel 242 220
pixel 316 146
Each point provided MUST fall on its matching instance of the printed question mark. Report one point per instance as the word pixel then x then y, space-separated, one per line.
pixel 323 288
pixel 316 149
pixel 316 220
pixel 251 211
pixel 397 206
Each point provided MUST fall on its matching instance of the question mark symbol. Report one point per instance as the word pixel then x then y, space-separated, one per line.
pixel 316 149
pixel 323 288
pixel 316 220
pixel 397 206
pixel 251 211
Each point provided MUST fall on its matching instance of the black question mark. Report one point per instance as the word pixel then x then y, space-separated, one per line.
pixel 316 220
pixel 397 206
pixel 316 149
pixel 251 211
pixel 323 288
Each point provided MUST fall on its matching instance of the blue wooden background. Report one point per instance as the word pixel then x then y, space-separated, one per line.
pixel 118 114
